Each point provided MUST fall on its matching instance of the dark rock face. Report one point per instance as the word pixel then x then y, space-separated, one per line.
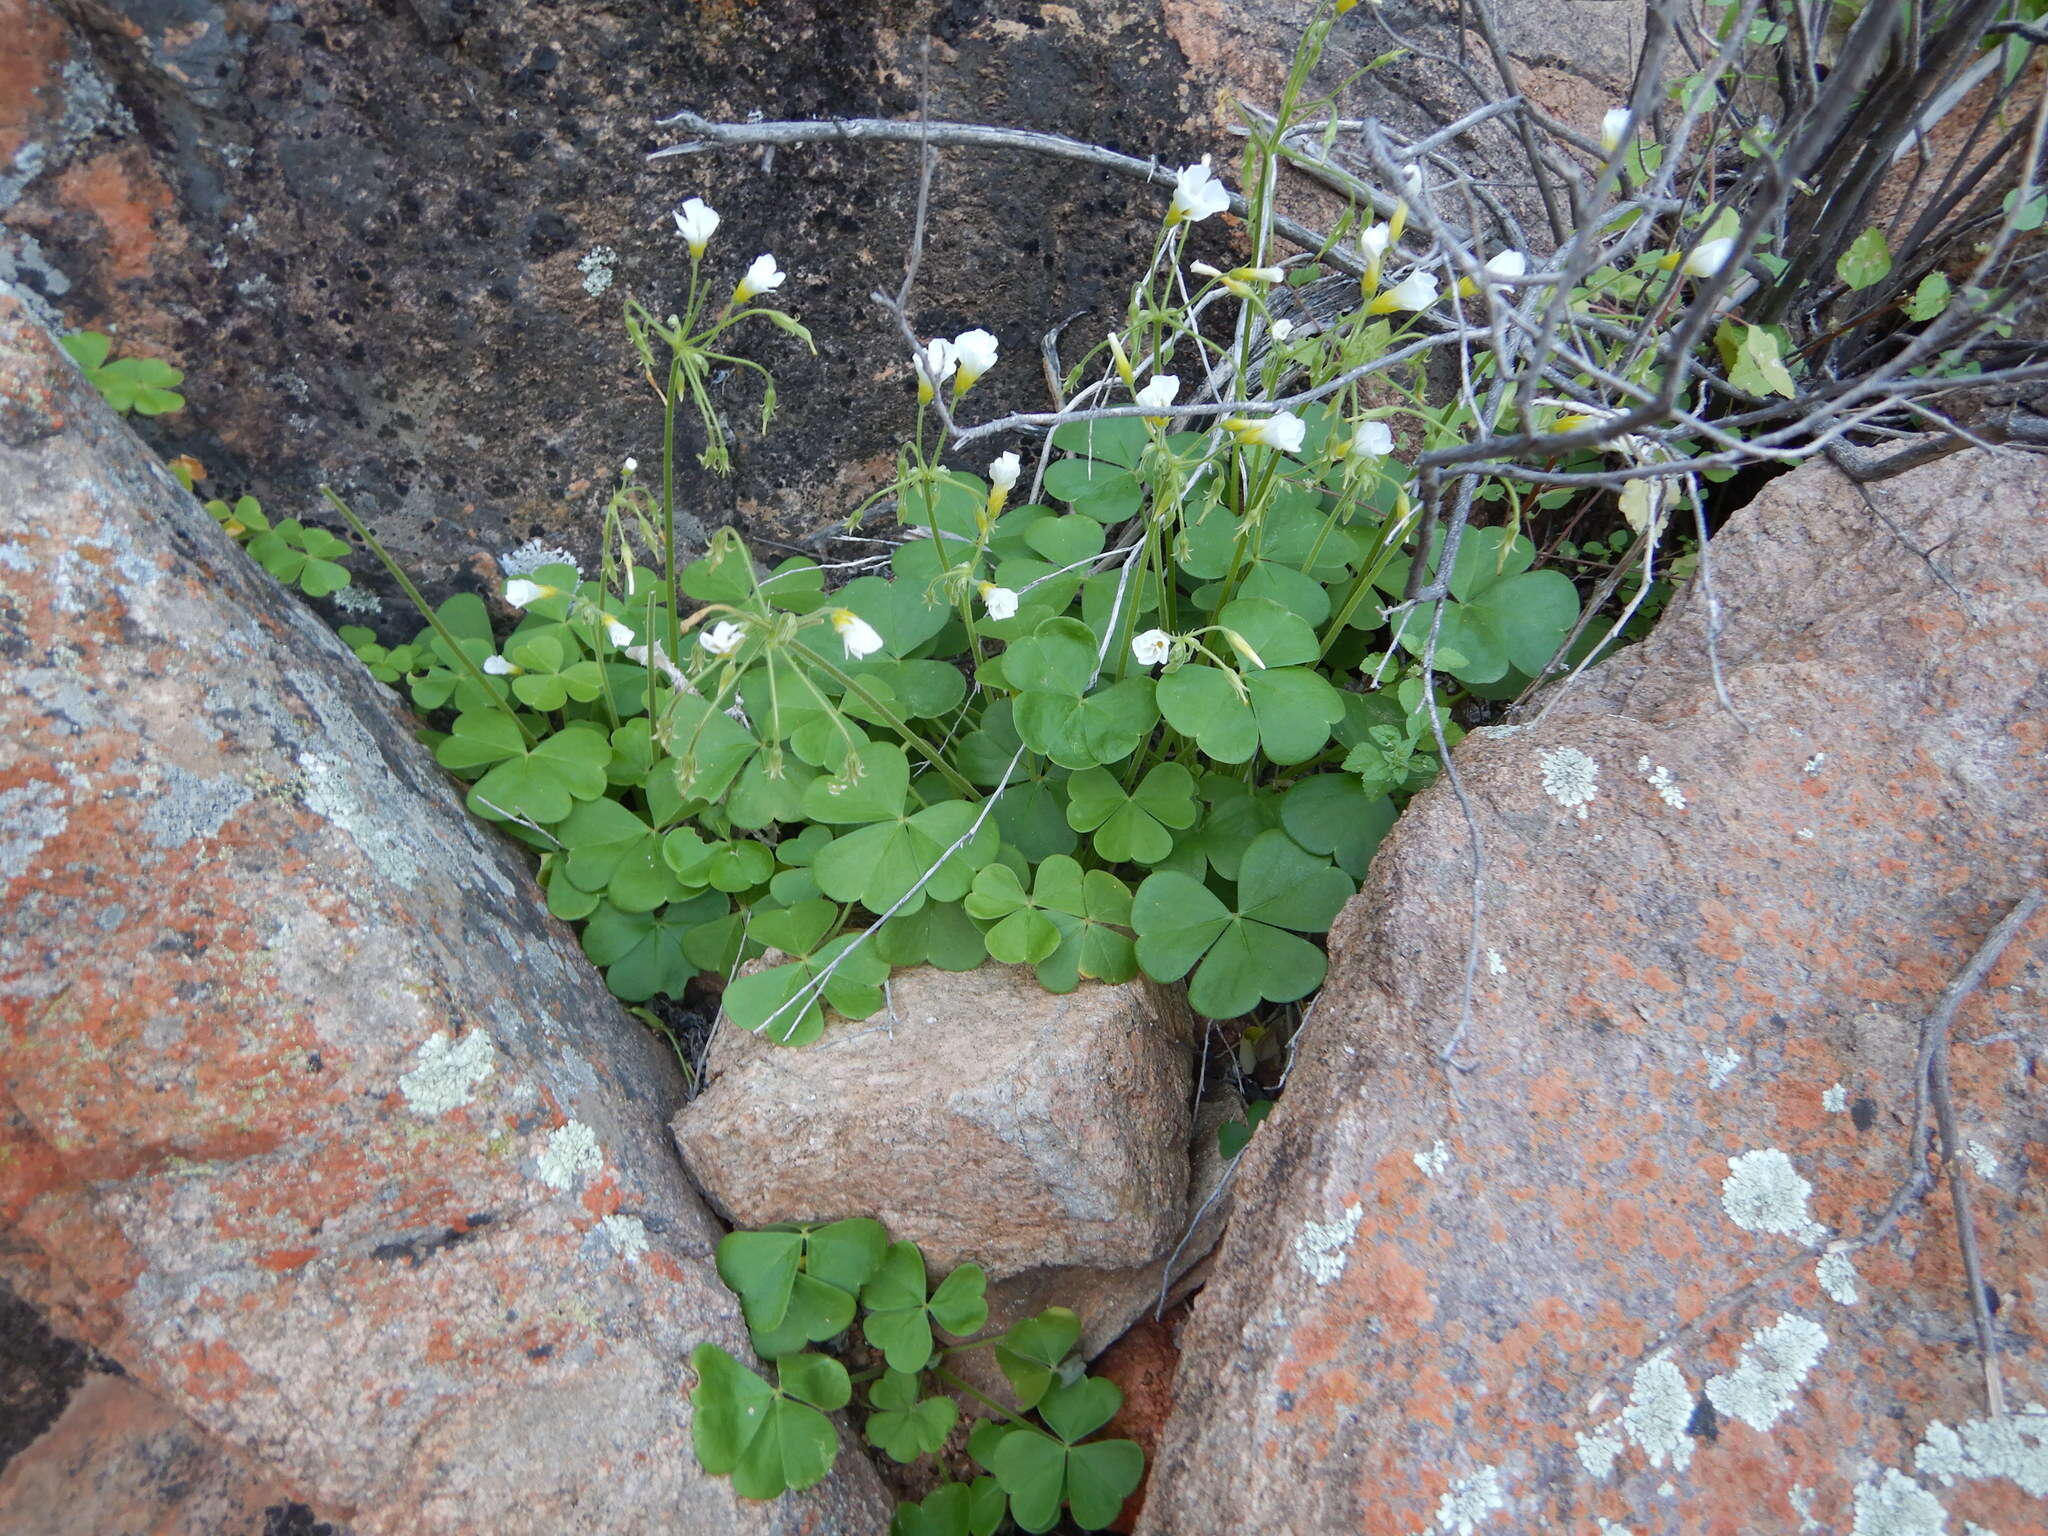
pixel 389 240
pixel 1608 1279
pixel 310 1116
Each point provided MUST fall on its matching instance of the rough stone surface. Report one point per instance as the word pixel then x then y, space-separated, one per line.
pixel 988 1121
pixel 389 242
pixel 284 1038
pixel 1579 1287
pixel 119 1462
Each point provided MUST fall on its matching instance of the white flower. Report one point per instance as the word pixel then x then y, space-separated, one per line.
pixel 636 653
pixel 1152 647
pixel 1709 257
pixel 1612 127
pixel 1372 439
pixel 697 222
pixel 630 465
pixel 723 638
pixel 498 666
pixel 1003 471
pixel 855 633
pixel 1411 181
pixel 761 277
pixel 935 364
pixel 1507 266
pixel 1415 293
pixel 1284 431
pixel 619 634
pixel 975 351
pixel 521 592
pixel 1001 602
pixel 1373 242
pixel 1160 392
pixel 1196 194
pixel 1504 267
pixel 1281 329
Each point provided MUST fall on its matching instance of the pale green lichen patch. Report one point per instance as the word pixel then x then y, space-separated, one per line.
pixel 1764 1193
pixel 1321 1245
pixel 1435 1160
pixel 1599 1451
pixel 1837 1276
pixel 627 1235
pixel 1761 1388
pixel 2014 1447
pixel 572 1154
pixel 1659 1408
pixel 30 815
pixel 1469 1501
pixel 447 1072
pixel 1835 1100
pixel 185 805
pixel 1892 1504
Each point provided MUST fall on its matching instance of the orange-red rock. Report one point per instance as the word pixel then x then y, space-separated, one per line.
pixel 1574 1283
pixel 290 1051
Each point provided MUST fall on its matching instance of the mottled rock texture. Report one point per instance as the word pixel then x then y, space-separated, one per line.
pixel 981 1117
pixel 1578 1287
pixel 293 1062
pixel 388 242
pixel 121 1463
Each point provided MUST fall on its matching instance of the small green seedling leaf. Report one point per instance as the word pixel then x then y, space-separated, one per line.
pixel 1868 260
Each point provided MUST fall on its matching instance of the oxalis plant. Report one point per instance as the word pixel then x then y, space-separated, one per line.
pixel 800 1286
pixel 1151 718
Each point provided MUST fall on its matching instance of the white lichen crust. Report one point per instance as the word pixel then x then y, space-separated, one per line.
pixel 1892 1504
pixel 1571 778
pixel 1764 1193
pixel 572 1153
pixel 1762 1387
pixel 447 1071
pixel 1659 1407
pixel 1466 1504
pixel 1321 1245
pixel 2014 1447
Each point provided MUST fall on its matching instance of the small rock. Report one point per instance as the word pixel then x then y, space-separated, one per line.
pixel 981 1117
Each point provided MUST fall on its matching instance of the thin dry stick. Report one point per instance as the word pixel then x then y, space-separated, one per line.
pixel 878 130
pixel 1935 1049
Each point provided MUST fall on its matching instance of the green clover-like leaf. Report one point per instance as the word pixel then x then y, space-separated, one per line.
pixel 767 1439
pixel 1041 1473
pixel 1246 955
pixel 1031 1352
pixel 538 783
pixel 904 1425
pixel 647 954
pixel 878 865
pixel 1503 614
pixel 1132 826
pixel 954 1509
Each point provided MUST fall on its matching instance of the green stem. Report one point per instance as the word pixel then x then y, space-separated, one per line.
pixel 668 501
pixel 890 718
pixel 433 619
pixel 978 1395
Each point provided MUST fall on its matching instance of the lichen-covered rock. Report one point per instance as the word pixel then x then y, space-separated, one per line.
pixel 982 1117
pixel 1583 1286
pixel 120 1461
pixel 310 1116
